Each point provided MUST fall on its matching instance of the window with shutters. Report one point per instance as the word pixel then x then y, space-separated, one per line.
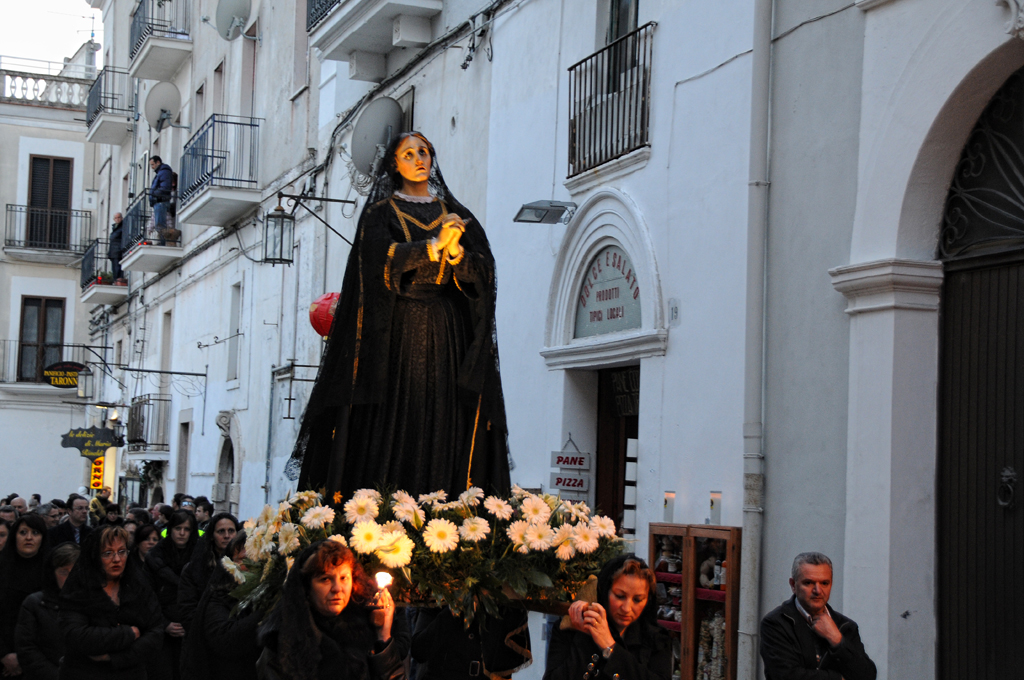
pixel 49 206
pixel 41 337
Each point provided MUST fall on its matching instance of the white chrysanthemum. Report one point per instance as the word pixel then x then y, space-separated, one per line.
pixel 361 509
pixel 584 539
pixel 538 536
pixel 369 494
pixel 519 492
pixel 441 535
pixel 517 534
pixel 288 539
pixel 498 507
pixel 411 513
pixel 562 543
pixel 304 499
pixel 450 505
pixel 472 496
pixel 552 501
pixel 266 515
pixel 395 550
pixel 603 526
pixel 249 524
pixel 535 510
pixel 338 538
pixel 436 497
pixel 365 537
pixel 254 546
pixel 284 510
pixel 474 529
pixel 403 497
pixel 317 516
pixel 233 569
pixel 394 526
pixel 580 512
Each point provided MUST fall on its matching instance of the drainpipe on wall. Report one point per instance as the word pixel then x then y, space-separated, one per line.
pixel 753 387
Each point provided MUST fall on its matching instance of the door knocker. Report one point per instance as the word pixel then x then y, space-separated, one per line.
pixel 1005 493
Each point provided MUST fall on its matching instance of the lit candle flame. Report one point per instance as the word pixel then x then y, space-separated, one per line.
pixel 383 580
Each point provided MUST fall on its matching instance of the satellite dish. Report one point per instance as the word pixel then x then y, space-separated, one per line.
pixel 231 16
pixel 378 124
pixel 163 103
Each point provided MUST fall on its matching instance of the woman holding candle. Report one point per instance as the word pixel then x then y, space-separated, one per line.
pixel 332 622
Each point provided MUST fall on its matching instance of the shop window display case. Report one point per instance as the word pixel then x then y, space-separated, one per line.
pixel 697 567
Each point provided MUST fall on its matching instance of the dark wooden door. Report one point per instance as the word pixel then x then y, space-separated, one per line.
pixel 981 446
pixel 618 419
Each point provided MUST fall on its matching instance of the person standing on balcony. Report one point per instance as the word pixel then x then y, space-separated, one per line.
pixel 160 193
pixel 116 248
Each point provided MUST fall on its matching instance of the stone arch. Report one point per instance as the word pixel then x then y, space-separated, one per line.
pixel 608 217
pixel 226 489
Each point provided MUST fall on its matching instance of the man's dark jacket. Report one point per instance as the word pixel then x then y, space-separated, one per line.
pixel 788 648
pixel 160 189
pixel 65 533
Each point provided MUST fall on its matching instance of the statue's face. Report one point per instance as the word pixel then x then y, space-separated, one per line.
pixel 413 160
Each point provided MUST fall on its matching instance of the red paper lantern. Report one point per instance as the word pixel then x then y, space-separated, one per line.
pixel 320 313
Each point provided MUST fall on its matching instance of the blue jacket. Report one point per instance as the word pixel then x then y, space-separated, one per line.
pixel 160 189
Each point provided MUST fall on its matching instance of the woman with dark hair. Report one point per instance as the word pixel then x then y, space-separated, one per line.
pixel 109 614
pixel 221 645
pixel 22 572
pixel 38 637
pixel 145 539
pixel 331 622
pixel 409 382
pixel 618 634
pixel 209 549
pixel 165 562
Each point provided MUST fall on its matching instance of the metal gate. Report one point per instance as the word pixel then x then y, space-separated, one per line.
pixel 981 402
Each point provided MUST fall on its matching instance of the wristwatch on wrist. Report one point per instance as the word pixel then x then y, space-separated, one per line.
pixel 607 651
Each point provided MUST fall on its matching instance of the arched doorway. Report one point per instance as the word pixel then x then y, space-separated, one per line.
pixel 981 400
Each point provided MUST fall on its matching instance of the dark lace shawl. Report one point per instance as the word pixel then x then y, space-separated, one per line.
pixel 354 366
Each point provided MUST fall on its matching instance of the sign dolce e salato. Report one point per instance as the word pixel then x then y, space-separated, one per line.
pixel 609 298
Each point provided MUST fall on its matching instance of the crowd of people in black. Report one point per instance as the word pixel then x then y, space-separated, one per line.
pixel 86 594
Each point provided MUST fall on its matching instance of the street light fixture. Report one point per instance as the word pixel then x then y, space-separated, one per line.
pixel 546 212
pixel 278 236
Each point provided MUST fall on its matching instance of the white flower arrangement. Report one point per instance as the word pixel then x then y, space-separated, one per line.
pixel 473 550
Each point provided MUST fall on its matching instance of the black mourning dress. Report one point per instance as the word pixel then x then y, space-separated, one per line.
pixel 408 394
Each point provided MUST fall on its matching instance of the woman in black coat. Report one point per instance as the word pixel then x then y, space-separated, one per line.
pixel 165 562
pixel 210 547
pixel 219 645
pixel 38 637
pixel 327 624
pixel 619 633
pixel 22 573
pixel 109 614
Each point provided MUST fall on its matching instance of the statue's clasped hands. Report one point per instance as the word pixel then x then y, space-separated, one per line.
pixel 451 231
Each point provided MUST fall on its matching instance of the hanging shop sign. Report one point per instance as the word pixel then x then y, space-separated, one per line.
pixel 96 474
pixel 93 442
pixel 63 374
pixel 570 460
pixel 609 299
pixel 570 481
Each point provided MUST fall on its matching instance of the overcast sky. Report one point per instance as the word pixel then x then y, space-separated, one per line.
pixel 47 29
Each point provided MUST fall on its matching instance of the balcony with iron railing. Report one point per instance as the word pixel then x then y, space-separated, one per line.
pixel 159 38
pixel 98 284
pixel 147 248
pixel 609 101
pixel 110 106
pixel 46 235
pixel 362 32
pixel 148 427
pixel 218 180
pixel 22 363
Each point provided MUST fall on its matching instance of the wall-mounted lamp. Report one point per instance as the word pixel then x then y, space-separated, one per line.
pixel 278 236
pixel 85 384
pixel 546 212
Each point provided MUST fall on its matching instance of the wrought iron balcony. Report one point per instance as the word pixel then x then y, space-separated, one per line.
pixel 609 101
pixel 316 10
pixel 46 234
pixel 111 102
pixel 135 223
pixel 148 424
pixel 23 362
pixel 219 175
pixel 98 284
pixel 159 38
